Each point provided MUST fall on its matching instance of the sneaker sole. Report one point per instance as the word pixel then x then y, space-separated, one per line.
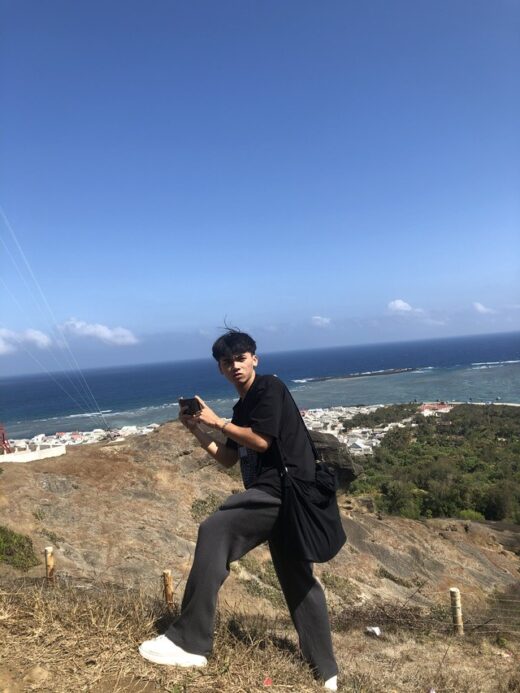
pixel 157 659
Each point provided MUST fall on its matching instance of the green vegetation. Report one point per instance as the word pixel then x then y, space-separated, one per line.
pixel 17 550
pixel 202 507
pixel 267 585
pixel 381 416
pixel 257 589
pixel 470 515
pixel 39 515
pixel 465 463
pixel 341 586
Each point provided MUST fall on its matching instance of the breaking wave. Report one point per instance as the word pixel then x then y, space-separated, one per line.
pixel 492 364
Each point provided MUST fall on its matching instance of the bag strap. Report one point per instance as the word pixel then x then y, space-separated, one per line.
pixel 314 451
pixel 283 469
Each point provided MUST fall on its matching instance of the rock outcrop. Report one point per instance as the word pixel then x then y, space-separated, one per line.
pixel 336 454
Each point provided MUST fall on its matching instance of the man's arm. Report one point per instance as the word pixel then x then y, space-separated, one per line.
pixel 242 435
pixel 227 457
pixel 259 442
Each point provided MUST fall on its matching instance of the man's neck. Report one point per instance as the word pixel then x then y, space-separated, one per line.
pixel 244 389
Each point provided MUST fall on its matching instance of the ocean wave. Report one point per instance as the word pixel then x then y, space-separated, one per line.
pixel 492 364
pixel 84 415
pixel 139 411
pixel 110 414
pixel 107 413
pixel 359 374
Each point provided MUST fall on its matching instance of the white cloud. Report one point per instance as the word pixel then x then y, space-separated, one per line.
pixel 6 346
pixel 319 321
pixel 10 340
pixel 482 309
pixel 399 306
pixel 41 340
pixel 109 335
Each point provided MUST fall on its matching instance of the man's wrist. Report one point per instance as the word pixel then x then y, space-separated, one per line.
pixel 223 426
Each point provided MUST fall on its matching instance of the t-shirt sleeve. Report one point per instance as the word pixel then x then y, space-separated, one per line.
pixel 266 415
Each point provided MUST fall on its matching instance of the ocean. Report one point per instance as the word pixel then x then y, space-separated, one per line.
pixel 484 368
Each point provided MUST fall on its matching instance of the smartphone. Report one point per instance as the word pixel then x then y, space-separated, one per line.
pixel 191 405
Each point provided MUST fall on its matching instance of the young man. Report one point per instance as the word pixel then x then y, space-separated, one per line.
pixel 266 427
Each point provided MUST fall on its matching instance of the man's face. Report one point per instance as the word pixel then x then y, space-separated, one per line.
pixel 239 369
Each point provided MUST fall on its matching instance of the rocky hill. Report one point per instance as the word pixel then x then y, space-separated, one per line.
pixel 118 514
pixel 123 512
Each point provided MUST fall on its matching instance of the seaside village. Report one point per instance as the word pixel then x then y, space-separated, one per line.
pixel 43 446
pixel 359 441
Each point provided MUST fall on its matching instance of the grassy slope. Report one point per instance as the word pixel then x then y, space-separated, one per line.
pixel 67 638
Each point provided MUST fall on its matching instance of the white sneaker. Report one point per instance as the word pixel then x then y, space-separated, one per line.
pixel 331 684
pixel 162 650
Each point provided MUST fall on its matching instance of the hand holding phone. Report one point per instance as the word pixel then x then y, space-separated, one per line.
pixel 190 405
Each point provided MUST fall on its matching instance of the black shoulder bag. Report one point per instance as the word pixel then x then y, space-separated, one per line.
pixel 310 520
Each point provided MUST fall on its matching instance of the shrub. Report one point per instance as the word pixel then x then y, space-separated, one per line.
pixel 401 498
pixel 202 507
pixel 17 550
pixel 471 515
pixel 498 502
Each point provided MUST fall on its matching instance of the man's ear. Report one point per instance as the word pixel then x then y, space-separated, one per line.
pixel 255 360
pixel 220 368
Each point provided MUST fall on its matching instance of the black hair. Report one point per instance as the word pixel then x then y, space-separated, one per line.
pixel 231 343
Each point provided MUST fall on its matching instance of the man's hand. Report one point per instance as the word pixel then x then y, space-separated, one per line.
pixel 226 456
pixel 188 420
pixel 207 416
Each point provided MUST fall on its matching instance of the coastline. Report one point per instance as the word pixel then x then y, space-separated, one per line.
pixel 350 376
pixel 42 442
pixel 476 369
pixel 325 419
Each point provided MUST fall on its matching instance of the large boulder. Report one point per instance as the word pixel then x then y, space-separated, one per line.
pixel 336 454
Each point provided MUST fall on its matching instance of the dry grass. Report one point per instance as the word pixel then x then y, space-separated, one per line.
pixel 84 637
pixel 87 636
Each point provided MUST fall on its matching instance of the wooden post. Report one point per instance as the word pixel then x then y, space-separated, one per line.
pixel 168 587
pixel 49 562
pixel 456 611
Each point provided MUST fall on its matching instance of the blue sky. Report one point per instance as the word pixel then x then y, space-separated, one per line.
pixel 316 173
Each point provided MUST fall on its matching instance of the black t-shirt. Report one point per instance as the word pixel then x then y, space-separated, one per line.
pixel 269 408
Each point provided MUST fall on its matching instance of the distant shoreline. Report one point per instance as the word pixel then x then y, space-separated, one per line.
pixel 98 435
pixel 477 368
pixel 348 376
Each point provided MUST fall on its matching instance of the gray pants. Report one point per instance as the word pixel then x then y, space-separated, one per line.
pixel 244 521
